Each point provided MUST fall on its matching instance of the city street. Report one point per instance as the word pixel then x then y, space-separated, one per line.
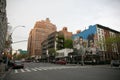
pixel 59 40
pixel 47 71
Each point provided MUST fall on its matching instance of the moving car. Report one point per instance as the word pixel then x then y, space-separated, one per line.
pixel 18 64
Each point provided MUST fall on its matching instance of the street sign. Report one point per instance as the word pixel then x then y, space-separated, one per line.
pixel 23 52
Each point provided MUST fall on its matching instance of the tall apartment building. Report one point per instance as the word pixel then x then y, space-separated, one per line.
pixel 3 25
pixel 99 34
pixel 38 34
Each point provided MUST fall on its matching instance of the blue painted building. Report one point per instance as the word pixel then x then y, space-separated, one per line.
pixel 98 34
pixel 86 33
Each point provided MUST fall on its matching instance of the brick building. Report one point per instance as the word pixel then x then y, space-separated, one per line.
pixel 55 41
pixel 38 34
pixel 103 38
pixel 64 31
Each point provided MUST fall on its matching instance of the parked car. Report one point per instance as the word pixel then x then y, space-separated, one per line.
pixel 115 63
pixel 18 64
pixel 61 62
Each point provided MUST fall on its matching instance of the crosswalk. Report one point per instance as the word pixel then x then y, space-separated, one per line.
pixel 48 68
pixel 44 68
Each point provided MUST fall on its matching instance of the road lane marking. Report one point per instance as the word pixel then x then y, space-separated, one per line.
pixel 44 69
pixel 38 69
pixel 27 70
pixel 22 70
pixel 33 69
pixel 16 71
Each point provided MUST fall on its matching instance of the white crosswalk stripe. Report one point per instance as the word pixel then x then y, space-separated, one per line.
pixel 44 69
pixel 33 69
pixel 22 70
pixel 16 71
pixel 38 69
pixel 28 70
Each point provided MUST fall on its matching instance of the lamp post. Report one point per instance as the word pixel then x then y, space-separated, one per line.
pixel 9 48
pixel 14 30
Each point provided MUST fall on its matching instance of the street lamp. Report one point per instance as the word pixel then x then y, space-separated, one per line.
pixel 14 30
pixel 10 42
pixel 12 33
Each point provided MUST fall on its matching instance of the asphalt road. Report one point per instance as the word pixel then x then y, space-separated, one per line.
pixel 47 71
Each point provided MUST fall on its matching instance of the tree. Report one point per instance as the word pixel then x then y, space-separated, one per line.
pixel 68 43
pixel 111 41
pixel 52 52
pixel 21 56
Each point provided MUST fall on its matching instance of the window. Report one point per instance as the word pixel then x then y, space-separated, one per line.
pixel 98 30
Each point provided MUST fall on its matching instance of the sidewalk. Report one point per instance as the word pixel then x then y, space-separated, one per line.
pixel 3 75
pixel 3 72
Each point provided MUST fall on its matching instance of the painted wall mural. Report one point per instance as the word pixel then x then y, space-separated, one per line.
pixel 86 40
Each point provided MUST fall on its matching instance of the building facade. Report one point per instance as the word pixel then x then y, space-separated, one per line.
pixel 38 34
pixel 55 41
pixel 3 25
pixel 102 38
pixel 65 33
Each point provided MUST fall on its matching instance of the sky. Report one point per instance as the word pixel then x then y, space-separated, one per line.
pixel 74 14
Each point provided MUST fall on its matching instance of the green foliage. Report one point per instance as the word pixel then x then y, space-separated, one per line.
pixel 52 52
pixel 20 56
pixel 111 40
pixel 64 43
pixel 68 43
pixel 118 40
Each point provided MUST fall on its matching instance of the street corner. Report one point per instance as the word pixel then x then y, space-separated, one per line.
pixel 3 75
